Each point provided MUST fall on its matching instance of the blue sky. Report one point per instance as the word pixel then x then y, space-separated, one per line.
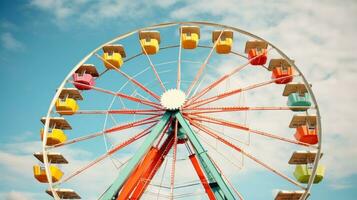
pixel 41 40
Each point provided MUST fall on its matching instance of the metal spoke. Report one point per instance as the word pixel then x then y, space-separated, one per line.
pixel 178 82
pixel 234 125
pixel 147 90
pixel 214 135
pixel 172 183
pixel 109 153
pixel 221 79
pixel 200 110
pixel 232 92
pixel 122 95
pixel 117 128
pixel 118 112
pixel 230 184
pixel 153 68
pixel 203 66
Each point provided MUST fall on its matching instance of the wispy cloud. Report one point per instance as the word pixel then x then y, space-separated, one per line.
pixel 93 13
pixel 9 42
pixel 13 195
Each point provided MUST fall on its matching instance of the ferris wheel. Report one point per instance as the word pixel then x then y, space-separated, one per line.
pixel 182 110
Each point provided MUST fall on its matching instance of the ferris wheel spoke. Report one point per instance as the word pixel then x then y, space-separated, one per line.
pixel 161 181
pixel 221 79
pixel 178 81
pixel 172 183
pixel 232 92
pixel 145 121
pixel 234 125
pixel 203 66
pixel 108 153
pixel 233 146
pixel 227 180
pixel 134 81
pixel 124 96
pixel 200 110
pixel 119 112
pixel 153 68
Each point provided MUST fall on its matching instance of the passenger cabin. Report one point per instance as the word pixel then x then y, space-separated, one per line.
pixel 303 173
pixel 55 134
pixel 281 68
pixel 306 130
pixel 225 42
pixel 53 158
pixel 66 103
pixel 304 163
pixel 64 193
pixel 84 77
pixel 113 55
pixel 289 195
pixel 190 36
pixel 150 41
pixel 298 96
pixel 257 52
pixel 40 173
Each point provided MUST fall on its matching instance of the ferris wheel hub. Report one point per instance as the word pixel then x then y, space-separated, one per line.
pixel 173 99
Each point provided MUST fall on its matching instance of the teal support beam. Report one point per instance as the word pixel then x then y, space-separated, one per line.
pixel 206 161
pixel 212 182
pixel 135 160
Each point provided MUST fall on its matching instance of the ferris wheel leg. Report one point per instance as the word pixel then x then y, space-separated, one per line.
pixel 219 186
pixel 112 191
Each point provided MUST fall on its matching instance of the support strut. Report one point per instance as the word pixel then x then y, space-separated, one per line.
pixel 219 186
pixel 202 177
pixel 129 168
pixel 138 172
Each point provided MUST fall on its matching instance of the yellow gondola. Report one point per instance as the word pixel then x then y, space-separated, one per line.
pixel 113 56
pixel 190 36
pixel 54 136
pixel 66 104
pixel 150 41
pixel 40 173
pixel 224 44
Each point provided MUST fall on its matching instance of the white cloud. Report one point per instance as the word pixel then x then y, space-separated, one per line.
pixel 7 25
pixel 94 13
pixel 13 195
pixel 60 9
pixel 9 42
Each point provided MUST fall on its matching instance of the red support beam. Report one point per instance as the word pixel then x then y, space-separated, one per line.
pixel 202 177
pixel 133 180
pixel 153 168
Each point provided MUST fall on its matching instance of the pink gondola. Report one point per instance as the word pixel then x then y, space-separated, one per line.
pixel 84 77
